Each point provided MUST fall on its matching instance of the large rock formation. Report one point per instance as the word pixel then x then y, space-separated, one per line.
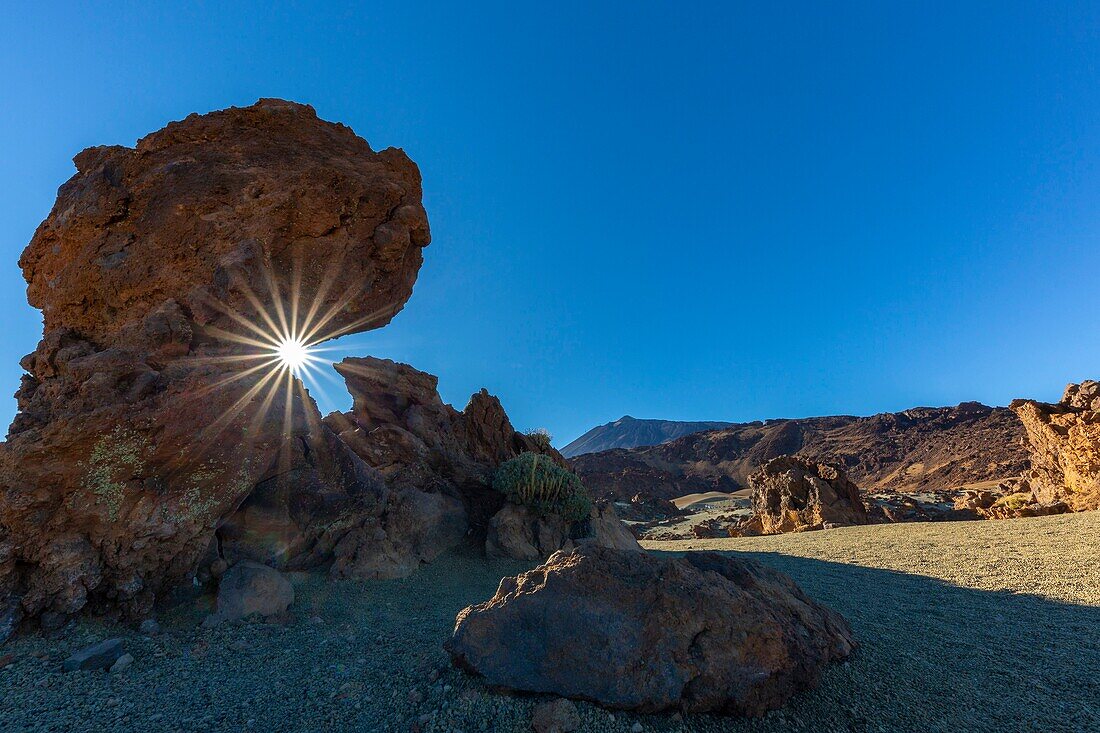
pixel 399 425
pixel 791 494
pixel 1065 447
pixel 908 452
pixel 152 410
pixel 702 632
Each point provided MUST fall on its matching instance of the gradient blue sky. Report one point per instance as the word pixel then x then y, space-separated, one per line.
pixel 717 211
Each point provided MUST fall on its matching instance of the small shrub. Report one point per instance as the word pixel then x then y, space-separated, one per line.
pixel 536 481
pixel 1014 501
pixel 542 438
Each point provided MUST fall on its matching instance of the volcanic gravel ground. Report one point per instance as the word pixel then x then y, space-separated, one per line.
pixel 966 626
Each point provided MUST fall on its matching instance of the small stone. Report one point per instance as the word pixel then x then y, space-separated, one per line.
pixel 556 716
pixel 6 660
pixel 97 656
pixel 122 664
pixel 415 696
pixel 636 728
pixel 149 627
pixel 218 568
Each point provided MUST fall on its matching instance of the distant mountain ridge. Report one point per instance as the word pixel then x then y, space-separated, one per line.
pixel 630 432
pixel 920 449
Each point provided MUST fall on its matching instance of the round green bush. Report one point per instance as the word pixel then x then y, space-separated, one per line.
pixel 534 480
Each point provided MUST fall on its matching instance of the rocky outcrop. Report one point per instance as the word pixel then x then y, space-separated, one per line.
pixel 792 495
pixel 702 632
pixel 417 528
pixel 399 425
pixel 520 532
pixel 913 451
pixel 152 411
pixel 1065 447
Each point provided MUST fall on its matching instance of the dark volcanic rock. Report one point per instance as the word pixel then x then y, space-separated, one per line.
pixel 148 414
pixel 417 528
pixel 702 632
pixel 250 588
pixel 791 494
pixel 1065 447
pixel 521 533
pixel 915 450
pixel 97 656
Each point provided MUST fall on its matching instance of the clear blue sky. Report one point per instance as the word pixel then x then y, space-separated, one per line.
pixel 722 212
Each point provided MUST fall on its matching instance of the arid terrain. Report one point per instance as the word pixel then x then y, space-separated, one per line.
pixel 922 448
pixel 186 544
pixel 966 626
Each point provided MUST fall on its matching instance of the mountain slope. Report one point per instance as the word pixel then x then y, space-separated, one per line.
pixel 629 432
pixel 916 450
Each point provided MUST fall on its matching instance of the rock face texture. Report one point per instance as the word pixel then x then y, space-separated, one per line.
pixel 1065 447
pixel 912 451
pixel 152 411
pixel 519 532
pixel 630 432
pixel 792 494
pixel 399 425
pixel 631 630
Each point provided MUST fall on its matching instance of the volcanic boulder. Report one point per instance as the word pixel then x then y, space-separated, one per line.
pixel 521 533
pixel 152 409
pixel 1065 447
pixel 792 494
pixel 702 632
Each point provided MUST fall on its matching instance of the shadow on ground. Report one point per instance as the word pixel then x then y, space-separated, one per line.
pixel 938 657
pixel 368 657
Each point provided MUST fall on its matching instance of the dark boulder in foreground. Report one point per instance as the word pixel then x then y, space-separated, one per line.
pixel 703 632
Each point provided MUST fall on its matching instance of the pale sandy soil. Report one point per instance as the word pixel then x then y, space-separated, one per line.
pixel 711 496
pixel 966 626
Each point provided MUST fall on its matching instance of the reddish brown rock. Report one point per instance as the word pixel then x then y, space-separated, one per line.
pixel 520 532
pixel 160 268
pixel 399 425
pixel 702 632
pixel 791 494
pixel 417 528
pixel 1064 440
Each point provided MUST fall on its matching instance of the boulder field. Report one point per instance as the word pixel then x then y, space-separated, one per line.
pixel 159 440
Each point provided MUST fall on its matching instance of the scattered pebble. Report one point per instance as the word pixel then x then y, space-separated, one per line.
pixel 122 664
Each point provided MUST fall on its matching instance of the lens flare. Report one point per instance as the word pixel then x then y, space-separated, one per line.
pixel 293 354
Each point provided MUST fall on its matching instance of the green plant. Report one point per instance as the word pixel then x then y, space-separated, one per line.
pixel 1014 501
pixel 542 438
pixel 536 481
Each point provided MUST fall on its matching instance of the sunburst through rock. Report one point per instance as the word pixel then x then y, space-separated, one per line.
pixel 293 354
